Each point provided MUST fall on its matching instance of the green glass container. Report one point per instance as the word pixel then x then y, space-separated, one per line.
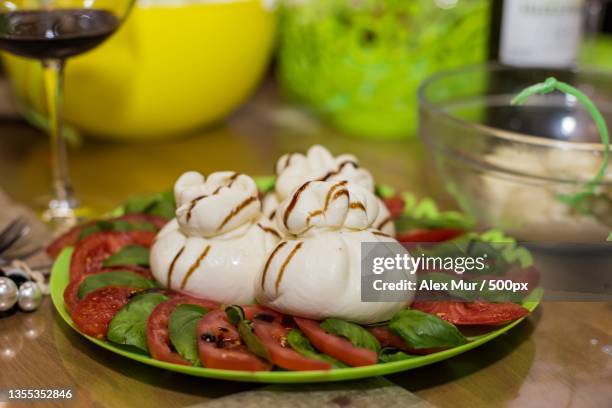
pixel 359 63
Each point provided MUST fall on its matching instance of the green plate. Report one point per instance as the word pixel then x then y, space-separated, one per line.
pixel 60 278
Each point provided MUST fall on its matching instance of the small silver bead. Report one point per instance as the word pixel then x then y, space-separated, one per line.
pixel 30 296
pixel 8 294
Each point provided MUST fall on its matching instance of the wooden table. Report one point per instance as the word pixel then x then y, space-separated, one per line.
pixel 557 357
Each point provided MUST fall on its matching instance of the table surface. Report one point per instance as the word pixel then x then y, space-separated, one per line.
pixel 559 356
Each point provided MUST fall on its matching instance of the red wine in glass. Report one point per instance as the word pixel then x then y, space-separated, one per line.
pixel 48 32
pixel 54 34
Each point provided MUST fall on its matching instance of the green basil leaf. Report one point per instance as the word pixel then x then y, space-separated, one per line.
pixel 265 183
pixel 501 251
pixel 235 314
pixel 425 213
pixel 384 191
pixel 139 204
pixel 119 278
pixel 160 204
pixel 129 326
pixel 253 343
pixel 422 330
pixel 182 328
pixel 164 206
pixel 87 231
pixel 356 334
pixel 129 255
pixel 300 343
pixel 391 354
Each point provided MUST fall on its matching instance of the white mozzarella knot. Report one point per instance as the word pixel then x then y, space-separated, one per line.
pixel 327 205
pixel 217 205
pixel 318 163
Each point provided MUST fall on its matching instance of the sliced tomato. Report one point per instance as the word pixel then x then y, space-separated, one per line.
pixel 71 298
pixel 435 235
pixel 67 239
pixel 158 338
pixel 335 346
pixel 273 335
pixel 90 252
pixel 272 328
pixel 94 312
pixel 387 338
pixel 71 237
pixel 472 313
pixel 220 346
pixel 395 205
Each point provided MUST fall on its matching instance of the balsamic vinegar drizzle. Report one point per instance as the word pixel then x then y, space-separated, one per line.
pixel 293 203
pixel 269 261
pixel 171 268
pixel 285 263
pixel 195 266
pixel 269 230
pixel 384 222
pixel 338 170
pixel 357 205
pixel 194 202
pixel 236 210
pixel 192 205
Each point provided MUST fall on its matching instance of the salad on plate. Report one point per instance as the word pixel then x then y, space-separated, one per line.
pixel 229 272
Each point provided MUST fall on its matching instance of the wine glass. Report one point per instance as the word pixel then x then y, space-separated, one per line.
pixel 51 31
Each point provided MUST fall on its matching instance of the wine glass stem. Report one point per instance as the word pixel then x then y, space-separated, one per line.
pixel 62 201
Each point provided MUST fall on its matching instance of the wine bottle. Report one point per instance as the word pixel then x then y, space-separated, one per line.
pixel 536 33
pixel 537 39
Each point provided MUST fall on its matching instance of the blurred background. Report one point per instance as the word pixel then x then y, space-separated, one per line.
pixel 212 85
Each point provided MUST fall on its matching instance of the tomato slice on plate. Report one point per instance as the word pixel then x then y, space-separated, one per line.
pixel 94 312
pixel 387 338
pixel 435 235
pixel 472 313
pixel 220 346
pixel 71 237
pixel 71 291
pixel 273 335
pixel 90 252
pixel 335 346
pixel 71 298
pixel 395 205
pixel 158 338
pixel 67 239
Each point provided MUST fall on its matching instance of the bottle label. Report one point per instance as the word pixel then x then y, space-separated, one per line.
pixel 544 33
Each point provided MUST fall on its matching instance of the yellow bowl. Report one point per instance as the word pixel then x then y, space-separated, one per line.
pixel 169 70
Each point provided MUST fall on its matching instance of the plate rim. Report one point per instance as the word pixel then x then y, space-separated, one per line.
pixel 60 278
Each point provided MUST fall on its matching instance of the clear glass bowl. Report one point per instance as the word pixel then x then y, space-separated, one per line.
pixel 507 165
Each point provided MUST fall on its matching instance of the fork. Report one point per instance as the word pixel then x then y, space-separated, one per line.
pixel 10 235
